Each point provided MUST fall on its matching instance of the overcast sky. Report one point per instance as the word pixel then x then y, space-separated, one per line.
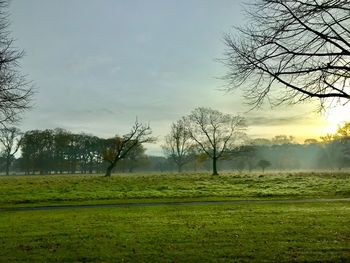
pixel 97 64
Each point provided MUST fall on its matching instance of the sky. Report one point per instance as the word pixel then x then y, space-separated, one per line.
pixel 97 65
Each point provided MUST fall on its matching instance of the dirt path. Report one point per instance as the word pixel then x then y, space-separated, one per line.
pixel 60 207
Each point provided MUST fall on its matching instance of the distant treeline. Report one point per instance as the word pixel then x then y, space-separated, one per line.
pixel 283 153
pixel 59 151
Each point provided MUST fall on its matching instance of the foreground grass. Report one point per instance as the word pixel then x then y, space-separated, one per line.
pixel 318 232
pixel 77 189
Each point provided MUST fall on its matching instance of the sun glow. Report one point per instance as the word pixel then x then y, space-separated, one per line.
pixel 336 116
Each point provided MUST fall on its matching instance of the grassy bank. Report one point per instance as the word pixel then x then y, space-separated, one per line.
pixel 58 189
pixel 206 233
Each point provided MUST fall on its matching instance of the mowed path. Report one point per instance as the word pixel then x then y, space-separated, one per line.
pixel 60 207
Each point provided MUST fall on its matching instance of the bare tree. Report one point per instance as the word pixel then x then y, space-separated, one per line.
pixel 11 139
pixel 292 51
pixel 15 92
pixel 214 132
pixel 118 148
pixel 178 144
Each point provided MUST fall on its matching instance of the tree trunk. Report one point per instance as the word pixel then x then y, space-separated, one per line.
pixel 109 170
pixel 8 163
pixel 179 168
pixel 8 167
pixel 215 171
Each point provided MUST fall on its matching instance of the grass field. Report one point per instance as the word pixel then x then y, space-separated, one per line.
pixel 48 190
pixel 250 232
pixel 203 233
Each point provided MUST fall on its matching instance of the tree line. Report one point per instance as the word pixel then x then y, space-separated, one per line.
pixel 205 139
pixel 207 135
pixel 61 151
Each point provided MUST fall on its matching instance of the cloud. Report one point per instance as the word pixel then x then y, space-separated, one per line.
pixel 268 120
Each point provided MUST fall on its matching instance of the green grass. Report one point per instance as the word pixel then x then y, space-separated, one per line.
pixel 317 232
pixel 77 189
pixel 260 232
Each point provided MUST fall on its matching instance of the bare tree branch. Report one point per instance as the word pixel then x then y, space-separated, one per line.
pixel 15 90
pixel 291 51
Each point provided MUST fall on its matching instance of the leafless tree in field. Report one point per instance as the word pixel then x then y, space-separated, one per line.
pixel 10 138
pixel 214 132
pixel 118 147
pixel 178 144
pixel 292 51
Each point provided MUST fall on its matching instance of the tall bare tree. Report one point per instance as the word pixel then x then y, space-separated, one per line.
pixel 118 147
pixel 292 51
pixel 178 144
pixel 15 91
pixel 11 139
pixel 214 132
